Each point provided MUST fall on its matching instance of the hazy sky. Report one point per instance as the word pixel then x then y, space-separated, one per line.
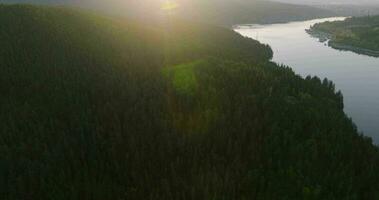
pixel 357 2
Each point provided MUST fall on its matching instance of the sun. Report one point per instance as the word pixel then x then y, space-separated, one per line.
pixel 169 5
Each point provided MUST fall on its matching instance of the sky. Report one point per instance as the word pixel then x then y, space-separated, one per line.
pixel 355 2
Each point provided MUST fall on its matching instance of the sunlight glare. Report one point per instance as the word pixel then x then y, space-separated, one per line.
pixel 169 5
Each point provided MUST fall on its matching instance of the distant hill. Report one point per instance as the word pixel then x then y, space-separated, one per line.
pixel 98 108
pixel 220 12
pixel 353 10
pixel 342 7
pixel 226 12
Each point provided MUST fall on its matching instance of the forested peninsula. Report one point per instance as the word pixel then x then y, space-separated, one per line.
pixel 357 34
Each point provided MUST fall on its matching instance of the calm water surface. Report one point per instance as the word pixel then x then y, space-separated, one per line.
pixel 357 76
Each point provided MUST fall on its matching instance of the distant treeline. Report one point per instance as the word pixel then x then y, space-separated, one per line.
pixel 100 108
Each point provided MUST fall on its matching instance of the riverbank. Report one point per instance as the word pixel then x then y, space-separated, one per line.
pixel 357 76
pixel 322 36
pixel 357 50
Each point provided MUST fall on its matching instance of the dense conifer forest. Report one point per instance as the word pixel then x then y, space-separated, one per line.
pixel 94 107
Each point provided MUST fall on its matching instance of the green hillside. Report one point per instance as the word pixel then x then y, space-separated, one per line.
pixel 101 108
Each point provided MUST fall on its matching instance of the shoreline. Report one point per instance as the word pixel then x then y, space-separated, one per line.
pixel 357 50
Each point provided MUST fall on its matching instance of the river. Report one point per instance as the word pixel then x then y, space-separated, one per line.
pixel 357 76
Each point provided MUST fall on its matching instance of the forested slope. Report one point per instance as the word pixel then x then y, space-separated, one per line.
pixel 100 108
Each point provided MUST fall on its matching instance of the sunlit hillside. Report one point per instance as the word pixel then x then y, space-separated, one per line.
pixel 101 108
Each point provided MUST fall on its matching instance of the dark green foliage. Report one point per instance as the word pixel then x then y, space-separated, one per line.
pixel 95 108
